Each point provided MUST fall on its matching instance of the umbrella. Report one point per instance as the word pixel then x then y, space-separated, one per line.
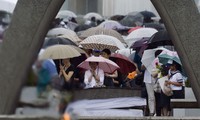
pixel 59 31
pixel 134 28
pixel 72 37
pixel 101 31
pixel 57 40
pixel 82 27
pixel 59 52
pixel 64 33
pixel 139 33
pixel 5 19
pixel 100 42
pixel 132 19
pixel 111 24
pixel 117 17
pixel 88 16
pixel 8 5
pixel 106 65
pixel 161 38
pixel 140 43
pixel 147 14
pixel 156 26
pixel 125 64
pixel 75 61
pixel 169 55
pixel 66 14
pixel 149 56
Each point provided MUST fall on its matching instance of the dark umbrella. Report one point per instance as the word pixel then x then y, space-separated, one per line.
pixel 117 17
pixel 147 14
pixel 125 64
pixel 157 26
pixel 82 27
pixel 140 43
pixel 161 38
pixel 132 19
pixel 57 40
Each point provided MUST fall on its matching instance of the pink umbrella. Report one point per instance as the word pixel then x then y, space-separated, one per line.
pixel 106 65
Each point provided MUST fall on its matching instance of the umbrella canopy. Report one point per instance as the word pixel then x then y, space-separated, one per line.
pixel 66 14
pixel 59 52
pixel 8 5
pixel 147 14
pixel 148 58
pixel 101 31
pixel 100 42
pixel 5 19
pixel 156 26
pixel 111 24
pixel 57 40
pixel 117 17
pixel 134 28
pixel 59 31
pixel 106 65
pixel 88 16
pixel 132 19
pixel 139 33
pixel 125 64
pixel 140 43
pixel 64 33
pixel 160 38
pixel 82 27
pixel 164 57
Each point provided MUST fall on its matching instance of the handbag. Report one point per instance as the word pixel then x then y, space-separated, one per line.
pixel 167 90
pixel 157 87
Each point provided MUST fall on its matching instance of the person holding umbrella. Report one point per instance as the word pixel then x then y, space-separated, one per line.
pixel 109 78
pixel 94 77
pixel 67 73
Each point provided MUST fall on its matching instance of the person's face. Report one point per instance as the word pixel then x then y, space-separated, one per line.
pixel 93 65
pixel 172 67
pixel 65 61
pixel 105 55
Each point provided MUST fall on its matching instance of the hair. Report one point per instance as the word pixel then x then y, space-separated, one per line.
pixel 107 51
pixel 157 52
pixel 177 65
pixel 93 19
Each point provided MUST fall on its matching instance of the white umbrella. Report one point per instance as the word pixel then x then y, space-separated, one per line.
pixel 111 24
pixel 64 33
pixel 66 14
pixel 101 42
pixel 88 16
pixel 148 58
pixel 139 33
pixel 59 52
pixel 8 5
pixel 100 31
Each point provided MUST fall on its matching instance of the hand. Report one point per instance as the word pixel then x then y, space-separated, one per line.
pixel 107 75
pixel 61 67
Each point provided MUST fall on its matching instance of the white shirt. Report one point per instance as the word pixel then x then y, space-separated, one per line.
pixel 147 77
pixel 93 82
pixel 177 77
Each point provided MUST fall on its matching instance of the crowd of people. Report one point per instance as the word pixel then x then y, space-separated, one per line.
pixel 63 75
